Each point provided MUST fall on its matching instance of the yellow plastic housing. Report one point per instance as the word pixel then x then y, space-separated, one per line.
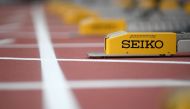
pixel 167 5
pixel 125 3
pixel 101 26
pixel 140 43
pixel 70 13
pixel 179 100
pixel 147 4
pixel 187 7
pixel 54 6
pixel 74 16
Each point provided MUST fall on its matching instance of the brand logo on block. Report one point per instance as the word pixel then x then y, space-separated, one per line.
pixel 142 44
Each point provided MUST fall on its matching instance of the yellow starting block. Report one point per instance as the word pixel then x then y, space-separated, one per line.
pixel 167 5
pixel 133 44
pixel 147 4
pixel 125 3
pixel 101 26
pixel 187 7
pixel 140 43
pixel 70 13
pixel 74 16
pixel 179 100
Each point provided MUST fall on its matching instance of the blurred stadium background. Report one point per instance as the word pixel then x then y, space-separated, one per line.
pixel 140 15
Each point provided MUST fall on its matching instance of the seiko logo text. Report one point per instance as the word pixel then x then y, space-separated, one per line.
pixel 142 44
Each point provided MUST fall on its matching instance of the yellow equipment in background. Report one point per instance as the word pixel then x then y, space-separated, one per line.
pixel 74 16
pixel 179 100
pixel 71 13
pixel 168 5
pixel 187 7
pixel 101 26
pixel 147 4
pixel 125 3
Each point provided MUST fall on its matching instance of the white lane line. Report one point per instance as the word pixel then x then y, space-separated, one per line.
pixel 19 46
pixel 88 84
pixel 125 61
pixel 66 33
pixel 20 86
pixel 3 42
pixel 56 45
pixel 99 60
pixel 20 59
pixel 100 84
pixel 56 91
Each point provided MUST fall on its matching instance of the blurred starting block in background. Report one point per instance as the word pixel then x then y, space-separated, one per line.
pixel 168 5
pixel 125 4
pixel 71 13
pixel 74 16
pixel 158 16
pixel 187 8
pixel 141 44
pixel 140 15
pixel 179 100
pixel 101 26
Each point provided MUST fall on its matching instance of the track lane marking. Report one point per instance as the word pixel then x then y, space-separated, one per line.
pixel 124 61
pixel 56 91
pixel 89 84
pixel 99 60
pixel 20 86
pixel 4 42
pixel 66 33
pixel 100 84
pixel 20 59
pixel 56 45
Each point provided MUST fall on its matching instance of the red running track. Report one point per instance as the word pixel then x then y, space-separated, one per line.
pixel 24 45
